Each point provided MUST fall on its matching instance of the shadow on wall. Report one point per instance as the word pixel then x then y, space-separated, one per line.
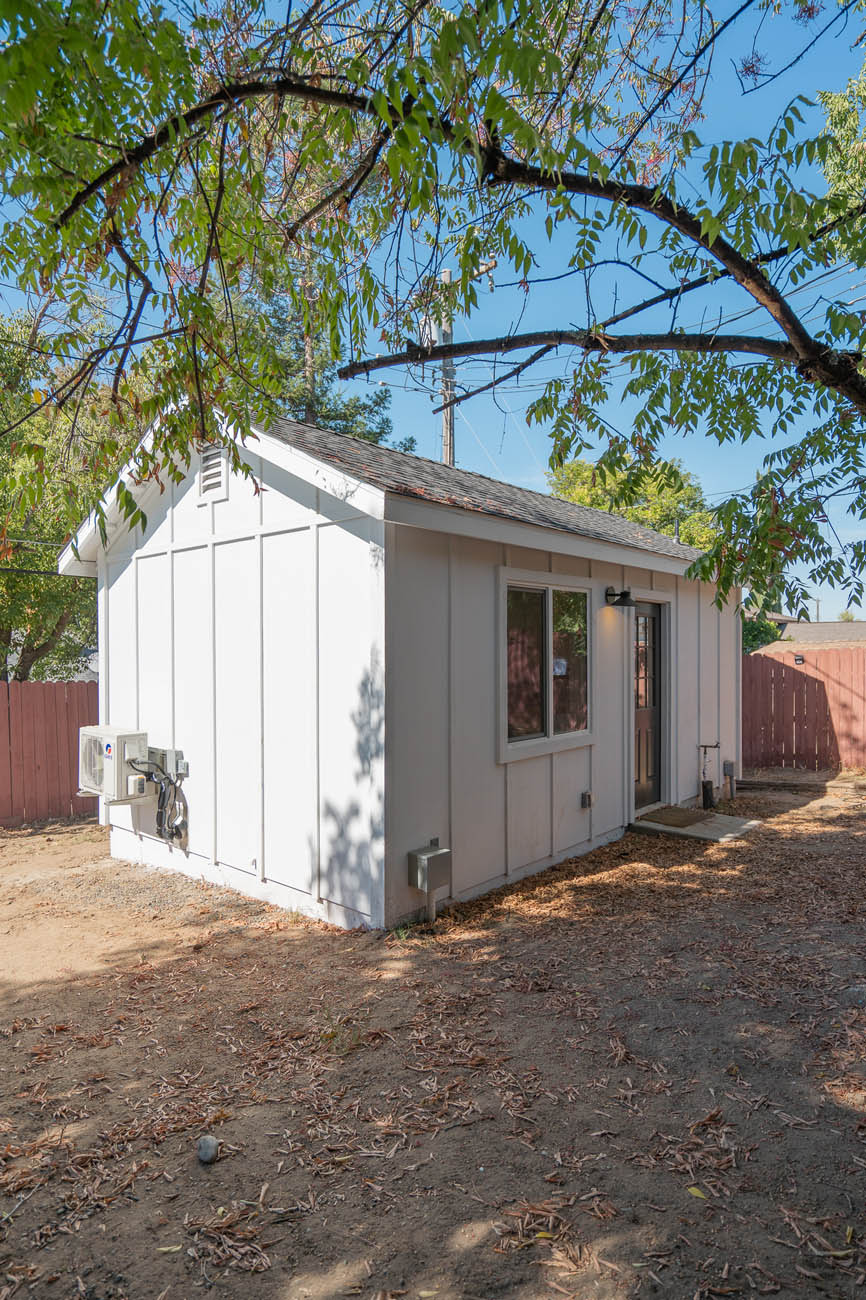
pixel 346 859
pixel 352 837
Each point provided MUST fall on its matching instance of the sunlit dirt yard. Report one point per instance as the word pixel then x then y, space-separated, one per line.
pixel 642 1073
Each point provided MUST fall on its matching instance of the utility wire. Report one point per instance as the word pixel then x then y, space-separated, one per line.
pixel 42 573
pixel 496 469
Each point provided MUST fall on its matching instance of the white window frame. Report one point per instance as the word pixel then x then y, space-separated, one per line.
pixel 221 491
pixel 509 751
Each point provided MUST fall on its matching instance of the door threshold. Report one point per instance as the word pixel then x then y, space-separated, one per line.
pixel 648 808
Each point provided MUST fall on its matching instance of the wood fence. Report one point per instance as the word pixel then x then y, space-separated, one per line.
pixel 39 724
pixel 810 714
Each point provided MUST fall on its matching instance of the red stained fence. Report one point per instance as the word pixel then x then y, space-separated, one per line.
pixel 809 715
pixel 39 724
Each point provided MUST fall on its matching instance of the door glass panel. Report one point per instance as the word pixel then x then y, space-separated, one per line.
pixel 648 696
pixel 569 661
pixel 650 663
pixel 527 703
pixel 640 662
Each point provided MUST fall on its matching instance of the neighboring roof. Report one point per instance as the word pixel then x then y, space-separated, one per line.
pixel 815 634
pixel 428 480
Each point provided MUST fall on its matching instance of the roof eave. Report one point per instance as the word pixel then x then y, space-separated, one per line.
pixel 437 517
pixel 318 471
pixel 79 557
pixel 84 563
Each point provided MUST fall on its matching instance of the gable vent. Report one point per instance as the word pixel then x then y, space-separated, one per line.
pixel 212 473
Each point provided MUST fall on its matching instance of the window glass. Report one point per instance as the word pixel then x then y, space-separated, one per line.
pixel 569 662
pixel 527 670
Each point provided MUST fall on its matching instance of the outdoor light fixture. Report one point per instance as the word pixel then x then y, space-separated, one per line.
pixel 619 599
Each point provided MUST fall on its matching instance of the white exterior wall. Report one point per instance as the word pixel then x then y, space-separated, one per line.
pixel 445 774
pixel 335 682
pixel 249 632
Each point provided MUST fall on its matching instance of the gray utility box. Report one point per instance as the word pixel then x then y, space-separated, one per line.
pixel 171 761
pixel 430 868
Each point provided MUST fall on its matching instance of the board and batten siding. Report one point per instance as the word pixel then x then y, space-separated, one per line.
pixel 249 632
pixel 445 777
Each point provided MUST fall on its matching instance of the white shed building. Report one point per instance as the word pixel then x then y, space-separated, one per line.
pixel 363 651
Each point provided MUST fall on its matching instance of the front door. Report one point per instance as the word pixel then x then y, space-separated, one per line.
pixel 647 705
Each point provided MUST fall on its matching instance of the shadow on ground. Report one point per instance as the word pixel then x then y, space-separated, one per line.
pixel 640 1073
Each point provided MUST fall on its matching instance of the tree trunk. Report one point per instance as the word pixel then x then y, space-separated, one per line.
pixel 5 644
pixel 31 654
pixel 309 352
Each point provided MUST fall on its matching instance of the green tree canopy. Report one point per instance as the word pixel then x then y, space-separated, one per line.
pixel 670 500
pixel 308 388
pixel 47 622
pixel 173 164
pixel 758 630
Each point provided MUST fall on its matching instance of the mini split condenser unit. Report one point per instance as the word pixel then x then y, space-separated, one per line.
pixel 105 763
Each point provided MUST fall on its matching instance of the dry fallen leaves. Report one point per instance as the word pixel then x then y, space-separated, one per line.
pixel 549 967
pixel 228 1239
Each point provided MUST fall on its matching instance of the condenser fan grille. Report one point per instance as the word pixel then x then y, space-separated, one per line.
pixel 92 767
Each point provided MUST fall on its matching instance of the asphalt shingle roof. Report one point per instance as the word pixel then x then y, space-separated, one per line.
pixel 428 480
pixel 822 634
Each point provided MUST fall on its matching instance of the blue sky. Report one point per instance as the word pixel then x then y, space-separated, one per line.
pixel 492 436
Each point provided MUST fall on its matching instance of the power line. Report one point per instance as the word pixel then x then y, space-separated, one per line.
pixel 42 573
pixel 496 469
pixel 34 541
pixel 491 371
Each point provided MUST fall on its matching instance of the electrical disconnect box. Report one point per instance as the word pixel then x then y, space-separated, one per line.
pixel 105 763
pixel 171 761
pixel 430 868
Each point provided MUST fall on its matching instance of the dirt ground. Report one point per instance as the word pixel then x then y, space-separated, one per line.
pixel 639 1074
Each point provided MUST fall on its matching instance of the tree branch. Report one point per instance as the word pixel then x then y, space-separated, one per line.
pixel 587 340
pixel 494 383
pixel 232 94
pixel 672 86
pixel 348 186
pixel 814 360
pixel 31 655
pixel 760 259
pixel 834 369
pixel 502 170
pixel 133 268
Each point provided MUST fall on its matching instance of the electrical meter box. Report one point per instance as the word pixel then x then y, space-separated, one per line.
pixel 104 765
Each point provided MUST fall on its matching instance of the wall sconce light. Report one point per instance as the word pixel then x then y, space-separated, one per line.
pixel 619 599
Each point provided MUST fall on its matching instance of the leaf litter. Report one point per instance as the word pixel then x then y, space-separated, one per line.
pixel 636 1072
